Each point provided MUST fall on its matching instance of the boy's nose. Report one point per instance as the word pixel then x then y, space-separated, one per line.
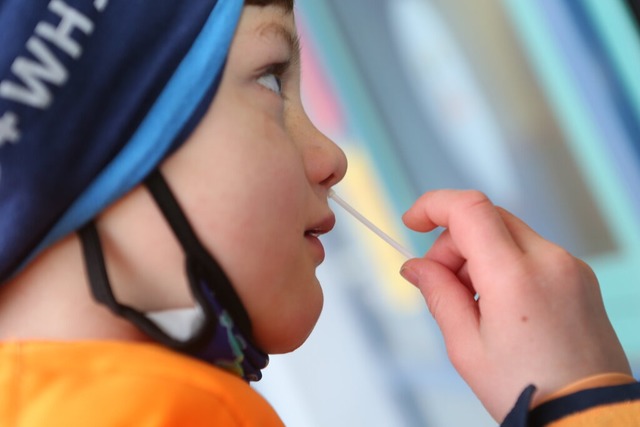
pixel 325 162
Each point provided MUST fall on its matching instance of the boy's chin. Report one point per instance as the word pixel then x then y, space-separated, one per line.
pixel 291 336
pixel 287 345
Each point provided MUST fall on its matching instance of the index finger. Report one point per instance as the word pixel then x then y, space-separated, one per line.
pixel 474 223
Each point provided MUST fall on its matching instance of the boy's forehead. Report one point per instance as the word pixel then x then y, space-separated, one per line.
pixel 271 22
pixel 279 29
pixel 275 18
pixel 285 4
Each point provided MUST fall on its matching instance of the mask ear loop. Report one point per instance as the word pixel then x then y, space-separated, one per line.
pixel 202 270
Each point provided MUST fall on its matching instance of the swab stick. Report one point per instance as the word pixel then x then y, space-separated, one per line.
pixel 371 226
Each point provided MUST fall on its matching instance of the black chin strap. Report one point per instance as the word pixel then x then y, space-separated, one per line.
pixel 103 293
pixel 199 261
pixel 200 265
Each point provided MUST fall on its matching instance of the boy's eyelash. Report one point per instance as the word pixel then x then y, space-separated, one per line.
pixel 278 69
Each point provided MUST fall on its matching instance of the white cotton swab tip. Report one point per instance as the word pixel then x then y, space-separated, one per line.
pixel 371 226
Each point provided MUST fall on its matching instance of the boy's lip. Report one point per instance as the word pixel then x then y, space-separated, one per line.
pixel 312 236
pixel 322 227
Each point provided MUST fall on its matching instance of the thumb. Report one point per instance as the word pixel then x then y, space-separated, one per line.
pixel 450 302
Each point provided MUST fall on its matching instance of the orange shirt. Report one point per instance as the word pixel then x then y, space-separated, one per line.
pixel 109 384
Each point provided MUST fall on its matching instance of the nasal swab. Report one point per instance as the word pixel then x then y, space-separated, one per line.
pixel 357 215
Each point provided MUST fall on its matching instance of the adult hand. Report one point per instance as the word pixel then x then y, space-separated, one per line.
pixel 539 319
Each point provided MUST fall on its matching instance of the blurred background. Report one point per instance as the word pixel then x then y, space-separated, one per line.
pixel 534 102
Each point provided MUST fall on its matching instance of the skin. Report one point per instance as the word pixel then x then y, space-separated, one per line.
pixel 540 318
pixel 253 179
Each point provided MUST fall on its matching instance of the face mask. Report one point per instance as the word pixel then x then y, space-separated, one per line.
pixel 221 330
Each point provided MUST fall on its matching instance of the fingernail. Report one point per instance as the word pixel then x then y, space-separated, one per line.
pixel 409 275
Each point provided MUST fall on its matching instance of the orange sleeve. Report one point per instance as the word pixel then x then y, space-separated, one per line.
pixel 603 400
pixel 599 380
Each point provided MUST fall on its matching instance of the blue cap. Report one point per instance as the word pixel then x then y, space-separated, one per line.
pixel 94 94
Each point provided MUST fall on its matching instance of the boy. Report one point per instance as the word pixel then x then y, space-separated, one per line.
pixel 251 183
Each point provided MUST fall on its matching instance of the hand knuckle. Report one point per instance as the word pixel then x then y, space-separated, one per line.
pixel 472 202
pixel 475 197
pixel 562 262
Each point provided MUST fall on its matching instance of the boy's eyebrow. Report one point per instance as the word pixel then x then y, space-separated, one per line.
pixel 279 30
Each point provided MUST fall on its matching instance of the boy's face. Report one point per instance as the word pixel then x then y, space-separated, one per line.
pixel 254 179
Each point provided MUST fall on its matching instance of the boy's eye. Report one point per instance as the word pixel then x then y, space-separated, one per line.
pixel 272 82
